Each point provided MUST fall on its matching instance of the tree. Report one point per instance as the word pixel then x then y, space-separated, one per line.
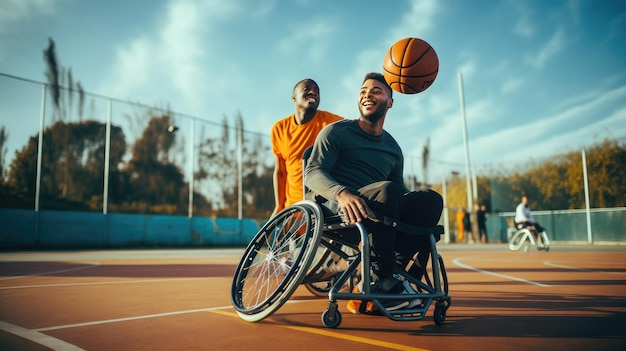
pixel 557 183
pixel 154 182
pixel 3 152
pixel 80 159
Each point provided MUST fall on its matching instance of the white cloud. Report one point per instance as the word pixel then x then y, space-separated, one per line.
pixel 15 13
pixel 174 64
pixel 418 21
pixel 468 67
pixel 511 85
pixel 309 38
pixel 523 26
pixel 549 50
pixel 137 59
pixel 554 133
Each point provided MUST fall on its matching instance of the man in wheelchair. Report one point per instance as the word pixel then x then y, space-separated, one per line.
pixel 524 219
pixel 358 166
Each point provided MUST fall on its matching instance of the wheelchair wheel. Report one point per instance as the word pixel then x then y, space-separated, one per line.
pixel 276 261
pixel 440 314
pixel 517 240
pixel 331 318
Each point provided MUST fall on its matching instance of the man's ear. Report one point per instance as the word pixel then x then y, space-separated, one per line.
pixel 390 103
pixel 293 98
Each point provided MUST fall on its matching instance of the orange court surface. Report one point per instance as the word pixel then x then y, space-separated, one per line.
pixel 570 298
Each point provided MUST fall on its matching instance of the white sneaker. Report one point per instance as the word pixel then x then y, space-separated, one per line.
pixel 408 289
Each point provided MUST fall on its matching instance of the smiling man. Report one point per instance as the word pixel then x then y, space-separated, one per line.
pixel 290 136
pixel 359 165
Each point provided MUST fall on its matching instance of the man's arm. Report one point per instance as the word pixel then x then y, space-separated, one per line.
pixel 280 183
pixel 324 156
pixel 318 178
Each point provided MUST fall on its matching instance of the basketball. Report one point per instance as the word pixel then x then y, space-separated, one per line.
pixel 410 66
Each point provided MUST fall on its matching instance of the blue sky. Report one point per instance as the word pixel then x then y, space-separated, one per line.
pixel 540 77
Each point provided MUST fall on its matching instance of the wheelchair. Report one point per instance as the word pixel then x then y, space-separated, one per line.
pixel 288 249
pixel 524 237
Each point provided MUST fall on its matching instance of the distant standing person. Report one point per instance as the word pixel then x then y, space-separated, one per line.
pixel 460 217
pixel 467 226
pixel 481 217
pixel 290 136
pixel 524 219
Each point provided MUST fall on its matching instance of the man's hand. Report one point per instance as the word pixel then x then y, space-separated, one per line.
pixel 353 206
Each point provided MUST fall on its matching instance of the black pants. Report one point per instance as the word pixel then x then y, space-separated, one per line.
pixel 419 208
pixel 538 228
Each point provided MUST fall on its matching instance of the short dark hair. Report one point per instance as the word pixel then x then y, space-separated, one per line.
pixel 379 77
pixel 305 80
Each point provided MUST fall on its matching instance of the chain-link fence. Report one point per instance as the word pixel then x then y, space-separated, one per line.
pixel 67 149
pixel 62 148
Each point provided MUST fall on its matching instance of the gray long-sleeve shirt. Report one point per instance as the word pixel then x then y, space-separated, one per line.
pixel 344 156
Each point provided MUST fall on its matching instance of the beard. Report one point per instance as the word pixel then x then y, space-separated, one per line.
pixel 375 116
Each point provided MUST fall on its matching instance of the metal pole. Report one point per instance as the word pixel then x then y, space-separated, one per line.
pixel 467 158
pixel 446 224
pixel 587 207
pixel 474 184
pixel 240 169
pixel 107 161
pixel 192 145
pixel 42 116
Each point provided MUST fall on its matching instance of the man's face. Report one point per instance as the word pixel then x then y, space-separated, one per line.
pixel 374 100
pixel 307 95
pixel 525 200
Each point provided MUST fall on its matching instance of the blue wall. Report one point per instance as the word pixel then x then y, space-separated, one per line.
pixel 50 229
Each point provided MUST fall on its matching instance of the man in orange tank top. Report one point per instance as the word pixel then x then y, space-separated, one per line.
pixel 290 136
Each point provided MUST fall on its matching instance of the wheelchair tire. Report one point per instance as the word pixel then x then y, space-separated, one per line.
pixel 440 314
pixel 331 319
pixel 517 241
pixel 276 261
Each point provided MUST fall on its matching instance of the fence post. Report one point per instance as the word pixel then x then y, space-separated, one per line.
pixel 587 211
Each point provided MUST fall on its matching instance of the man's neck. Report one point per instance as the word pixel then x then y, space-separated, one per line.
pixel 371 128
pixel 303 116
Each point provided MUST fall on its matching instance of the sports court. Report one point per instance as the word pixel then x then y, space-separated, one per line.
pixel 570 298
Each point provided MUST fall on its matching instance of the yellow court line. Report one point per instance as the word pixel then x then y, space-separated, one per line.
pixel 336 335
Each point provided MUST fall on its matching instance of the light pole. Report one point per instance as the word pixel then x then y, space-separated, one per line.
pixel 467 157
pixel 446 224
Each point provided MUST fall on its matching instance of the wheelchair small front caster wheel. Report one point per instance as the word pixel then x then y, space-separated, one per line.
pixel 331 319
pixel 440 314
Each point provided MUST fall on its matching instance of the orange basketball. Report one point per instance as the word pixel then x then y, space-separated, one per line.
pixel 410 66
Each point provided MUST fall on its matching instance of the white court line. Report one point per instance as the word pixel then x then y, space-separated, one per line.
pixel 36 336
pixel 457 261
pixel 39 338
pixel 102 283
pixel 52 272
pixel 549 263
pixel 116 320
pixel 156 315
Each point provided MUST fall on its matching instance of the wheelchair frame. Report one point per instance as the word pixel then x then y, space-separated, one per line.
pixel 281 255
pixel 524 237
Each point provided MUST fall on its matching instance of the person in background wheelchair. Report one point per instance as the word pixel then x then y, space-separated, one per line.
pixel 524 219
pixel 358 166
